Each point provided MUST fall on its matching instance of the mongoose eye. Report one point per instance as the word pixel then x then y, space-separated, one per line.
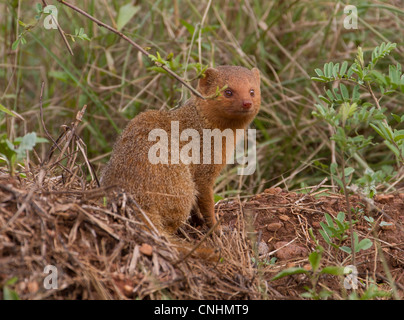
pixel 228 93
pixel 252 93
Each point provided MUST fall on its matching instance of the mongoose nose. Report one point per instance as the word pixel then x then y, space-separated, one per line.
pixel 247 104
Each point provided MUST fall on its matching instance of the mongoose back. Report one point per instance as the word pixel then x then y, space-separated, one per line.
pixel 169 191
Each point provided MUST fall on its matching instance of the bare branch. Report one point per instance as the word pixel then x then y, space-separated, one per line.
pixel 143 51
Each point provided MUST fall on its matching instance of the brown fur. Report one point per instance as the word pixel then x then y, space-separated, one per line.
pixel 168 192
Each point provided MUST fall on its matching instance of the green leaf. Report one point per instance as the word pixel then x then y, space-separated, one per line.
pixel 335 70
pixel 334 270
pixel 393 148
pixel 341 216
pixel 79 33
pixel 351 70
pixel 125 14
pixel 9 294
pixel 348 171
pixel 344 92
pixel 11 281
pixel 26 144
pixel 330 69
pixel 307 295
pixel 355 93
pixel 343 68
pixel 346 249
pixel 380 52
pixel 329 220
pixel 7 149
pixel 188 26
pixel 337 95
pixel 356 239
pixel 312 235
pixel 289 272
pixel 387 131
pixel 369 219
pixel 324 294
pixel 379 77
pixel 396 117
pixel 319 72
pixel 330 95
pixel 324 99
pixel 394 75
pixel 314 259
pixel 157 69
pixel 325 236
pixel 363 245
pixel 5 110
pixel 217 198
pixel 377 129
pixel 341 229
pixel 41 140
pixel 398 137
pixel 318 79
pixel 373 292
pixel 22 24
pixel 14 46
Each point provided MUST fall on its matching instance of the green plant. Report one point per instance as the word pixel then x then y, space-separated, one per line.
pixel 355 113
pixel 337 229
pixel 13 152
pixel 371 222
pixel 264 262
pixel 364 244
pixel 370 179
pixel 348 114
pixel 334 228
pixel 175 65
pixel 371 292
pixel 8 293
pixel 315 272
pixel 79 32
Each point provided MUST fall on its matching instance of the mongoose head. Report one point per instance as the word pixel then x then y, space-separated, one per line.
pixel 238 103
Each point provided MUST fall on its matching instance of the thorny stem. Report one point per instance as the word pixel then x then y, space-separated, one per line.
pixel 143 51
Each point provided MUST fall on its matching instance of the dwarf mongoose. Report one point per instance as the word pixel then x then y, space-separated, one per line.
pixel 168 192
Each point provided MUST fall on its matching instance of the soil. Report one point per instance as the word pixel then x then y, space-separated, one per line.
pixel 282 221
pixel 101 252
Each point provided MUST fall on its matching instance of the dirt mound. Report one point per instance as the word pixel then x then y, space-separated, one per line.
pixel 282 220
pixel 100 251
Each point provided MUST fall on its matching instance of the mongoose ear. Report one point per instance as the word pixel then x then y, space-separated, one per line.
pixel 209 78
pixel 256 73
